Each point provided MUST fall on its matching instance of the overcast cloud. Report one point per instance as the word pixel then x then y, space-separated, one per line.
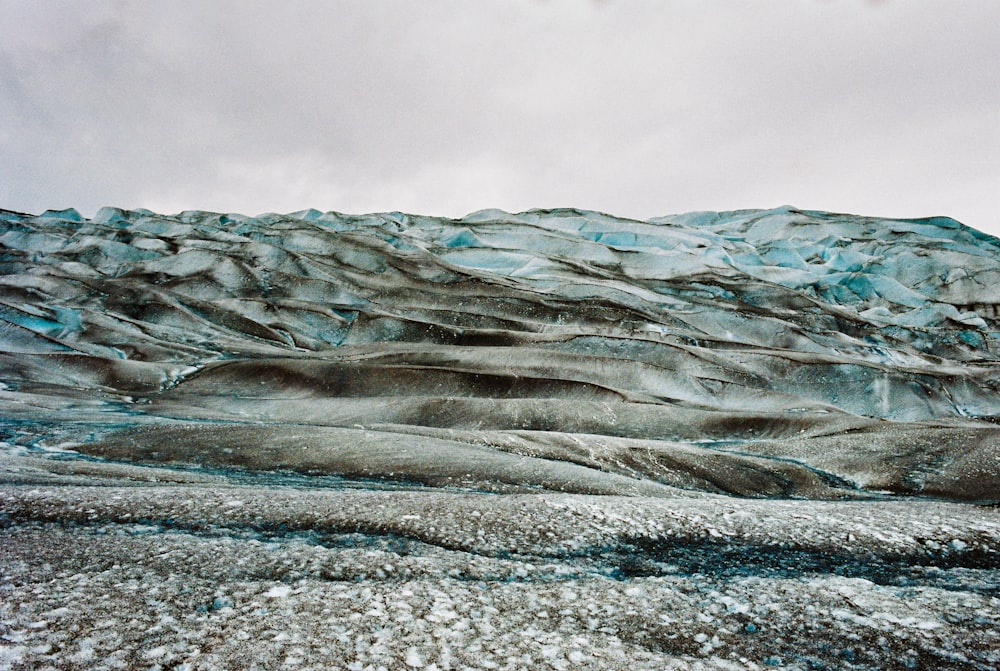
pixel 636 108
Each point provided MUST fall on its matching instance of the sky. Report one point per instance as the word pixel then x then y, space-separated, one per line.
pixel 636 108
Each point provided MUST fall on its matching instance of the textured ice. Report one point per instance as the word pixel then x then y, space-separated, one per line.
pixel 554 439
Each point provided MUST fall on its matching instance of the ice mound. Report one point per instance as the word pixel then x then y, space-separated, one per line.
pixel 896 319
pixel 693 332
pixel 552 439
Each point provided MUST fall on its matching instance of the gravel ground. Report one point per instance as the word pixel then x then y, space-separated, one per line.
pixel 186 575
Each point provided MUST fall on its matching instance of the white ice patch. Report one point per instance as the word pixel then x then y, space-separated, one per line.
pixel 278 592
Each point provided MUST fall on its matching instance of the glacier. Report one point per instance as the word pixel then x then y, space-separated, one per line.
pixel 547 439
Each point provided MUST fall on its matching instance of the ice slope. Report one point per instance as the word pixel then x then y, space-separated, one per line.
pixel 503 330
pixel 883 318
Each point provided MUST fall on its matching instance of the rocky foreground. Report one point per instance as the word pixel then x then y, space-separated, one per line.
pixel 556 439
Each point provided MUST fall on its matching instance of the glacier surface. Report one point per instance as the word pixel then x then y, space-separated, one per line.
pixel 551 439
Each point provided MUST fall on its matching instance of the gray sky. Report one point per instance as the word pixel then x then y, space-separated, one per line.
pixel 630 107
